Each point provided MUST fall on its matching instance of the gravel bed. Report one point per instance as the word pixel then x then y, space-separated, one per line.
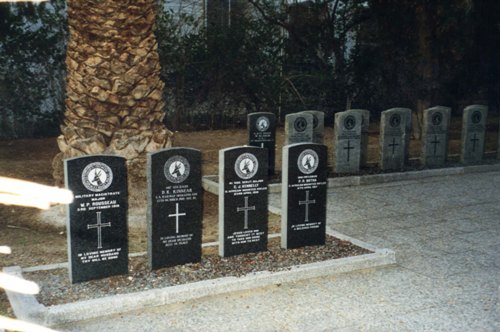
pixel 57 289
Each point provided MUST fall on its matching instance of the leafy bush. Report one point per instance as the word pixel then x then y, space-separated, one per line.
pixel 32 52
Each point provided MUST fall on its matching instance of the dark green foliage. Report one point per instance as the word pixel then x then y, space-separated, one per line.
pixel 32 51
pixel 418 54
pixel 217 73
pixel 268 55
pixel 321 38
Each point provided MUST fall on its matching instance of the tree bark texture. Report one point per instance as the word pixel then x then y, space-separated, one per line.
pixel 114 95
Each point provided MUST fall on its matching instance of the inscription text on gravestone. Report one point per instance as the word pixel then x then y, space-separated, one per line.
pixel 242 200
pixel 97 218
pixel 303 195
pixel 175 207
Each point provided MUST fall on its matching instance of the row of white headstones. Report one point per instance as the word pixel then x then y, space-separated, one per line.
pixel 356 121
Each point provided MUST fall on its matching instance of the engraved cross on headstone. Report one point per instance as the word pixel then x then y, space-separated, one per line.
pixel 348 148
pixel 246 208
pixel 474 141
pixel 177 215
pixel 306 203
pixel 393 145
pixel 435 142
pixel 99 226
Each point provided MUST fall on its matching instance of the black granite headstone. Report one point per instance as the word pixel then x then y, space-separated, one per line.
pixel 175 207
pixel 303 194
pixel 262 133
pixel 97 218
pixel 242 200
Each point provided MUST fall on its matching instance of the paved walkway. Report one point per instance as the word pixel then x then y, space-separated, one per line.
pixel 446 234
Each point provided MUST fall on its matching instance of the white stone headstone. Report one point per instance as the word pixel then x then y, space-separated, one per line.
pixel 435 136
pixel 298 128
pixel 473 130
pixel 394 138
pixel 347 141
pixel 318 126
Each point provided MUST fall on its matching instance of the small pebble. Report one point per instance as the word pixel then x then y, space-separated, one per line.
pixel 57 289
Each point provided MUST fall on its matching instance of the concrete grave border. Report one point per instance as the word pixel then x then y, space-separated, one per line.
pixel 26 307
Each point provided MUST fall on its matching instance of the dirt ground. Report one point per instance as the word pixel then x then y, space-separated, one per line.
pixel 33 243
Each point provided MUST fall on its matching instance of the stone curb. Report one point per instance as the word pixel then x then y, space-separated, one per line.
pixel 26 307
pixel 211 185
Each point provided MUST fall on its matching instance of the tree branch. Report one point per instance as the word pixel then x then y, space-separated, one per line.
pixel 267 17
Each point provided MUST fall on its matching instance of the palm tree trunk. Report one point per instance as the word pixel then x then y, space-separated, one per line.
pixel 114 95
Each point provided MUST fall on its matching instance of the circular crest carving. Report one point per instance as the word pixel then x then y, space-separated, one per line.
pixel 300 124
pixel 246 166
pixel 315 121
pixel 395 120
pixel 476 117
pixel 262 123
pixel 349 122
pixel 176 169
pixel 308 161
pixel 97 176
pixel 437 118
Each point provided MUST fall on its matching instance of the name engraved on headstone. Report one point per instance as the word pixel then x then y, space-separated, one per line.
pixel 473 132
pixel 298 128
pixel 304 183
pixel 97 218
pixel 262 133
pixel 347 141
pixel 435 136
pixel 242 200
pixel 175 207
